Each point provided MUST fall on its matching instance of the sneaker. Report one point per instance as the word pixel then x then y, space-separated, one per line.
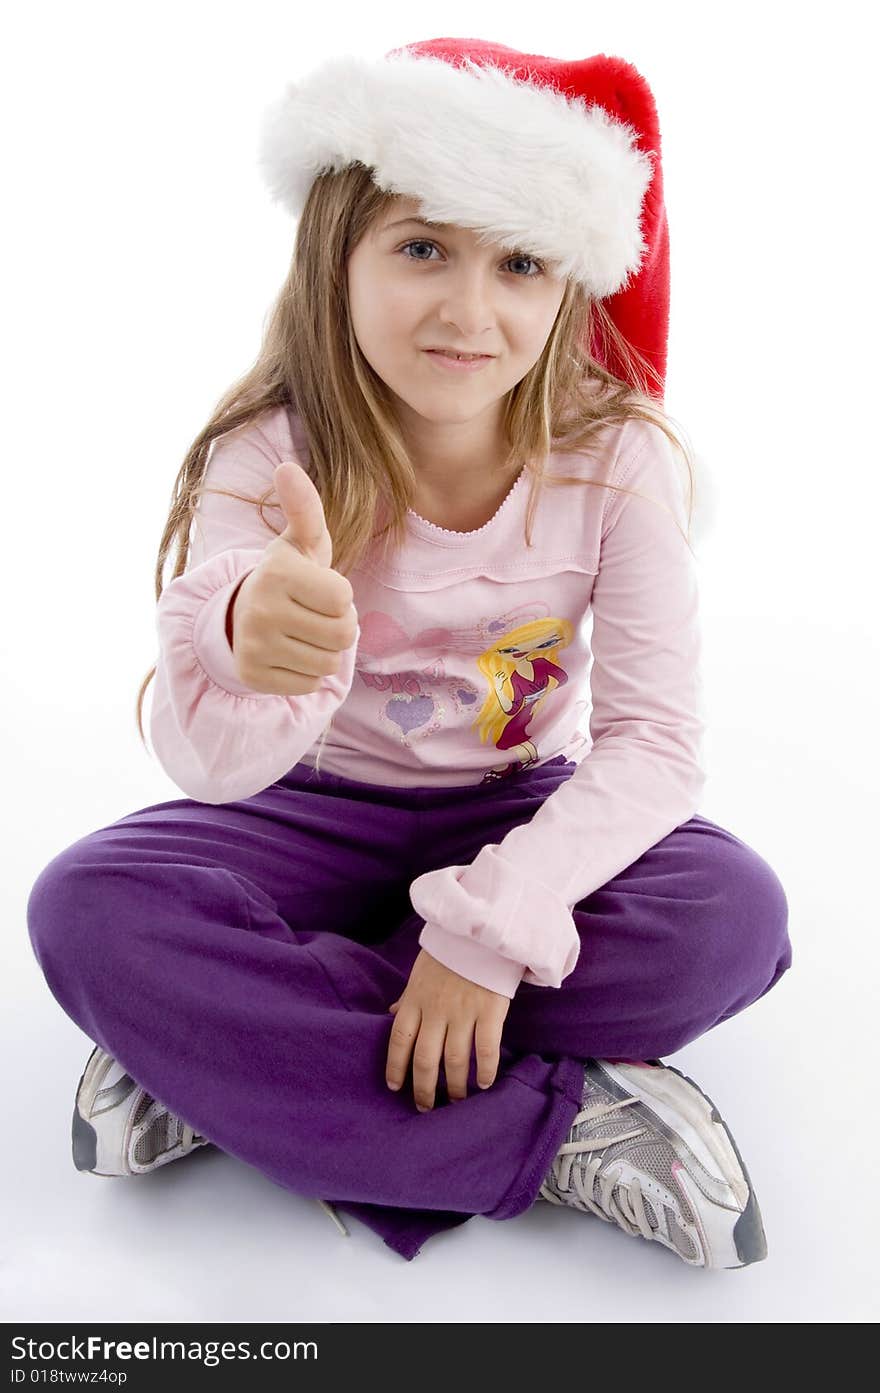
pixel 650 1152
pixel 119 1128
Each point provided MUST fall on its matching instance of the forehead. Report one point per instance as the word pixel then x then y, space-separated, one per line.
pixel 407 210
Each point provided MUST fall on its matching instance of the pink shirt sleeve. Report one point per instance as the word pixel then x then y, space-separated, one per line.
pixel 507 916
pixel 218 739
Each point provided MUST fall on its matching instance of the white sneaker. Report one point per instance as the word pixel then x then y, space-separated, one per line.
pixel 650 1152
pixel 118 1128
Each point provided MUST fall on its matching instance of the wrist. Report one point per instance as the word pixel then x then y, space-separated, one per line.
pixel 229 615
pixel 472 960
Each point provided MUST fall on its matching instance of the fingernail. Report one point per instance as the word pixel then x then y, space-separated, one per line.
pixel 420 1108
pixel 394 1087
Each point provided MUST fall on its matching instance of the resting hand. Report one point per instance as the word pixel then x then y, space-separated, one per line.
pixel 441 1015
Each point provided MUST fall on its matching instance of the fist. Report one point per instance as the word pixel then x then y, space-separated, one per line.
pixel 292 617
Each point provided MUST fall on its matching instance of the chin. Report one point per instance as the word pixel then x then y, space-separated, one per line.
pixel 438 406
pixel 451 412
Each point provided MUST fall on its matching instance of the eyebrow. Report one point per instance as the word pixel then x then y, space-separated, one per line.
pixel 419 222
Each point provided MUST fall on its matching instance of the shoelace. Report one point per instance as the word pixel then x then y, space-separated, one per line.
pixel 328 1209
pixel 627 1207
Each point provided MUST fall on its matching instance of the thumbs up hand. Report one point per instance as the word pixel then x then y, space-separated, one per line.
pixel 293 615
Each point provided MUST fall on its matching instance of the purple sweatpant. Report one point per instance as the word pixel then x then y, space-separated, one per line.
pixel 239 960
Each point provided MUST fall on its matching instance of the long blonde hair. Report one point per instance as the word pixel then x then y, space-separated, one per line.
pixel 310 361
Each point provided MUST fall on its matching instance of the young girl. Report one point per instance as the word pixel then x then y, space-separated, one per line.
pixel 399 853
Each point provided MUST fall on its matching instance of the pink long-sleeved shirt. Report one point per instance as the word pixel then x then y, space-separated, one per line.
pixel 472 651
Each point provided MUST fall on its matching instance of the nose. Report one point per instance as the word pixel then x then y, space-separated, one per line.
pixel 466 302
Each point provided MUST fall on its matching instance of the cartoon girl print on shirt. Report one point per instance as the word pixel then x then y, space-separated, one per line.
pixel 417 699
pixel 521 670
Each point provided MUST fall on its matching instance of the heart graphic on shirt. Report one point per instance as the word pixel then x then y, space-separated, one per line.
pixel 409 713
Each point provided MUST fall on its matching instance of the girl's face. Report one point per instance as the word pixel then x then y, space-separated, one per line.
pixel 413 287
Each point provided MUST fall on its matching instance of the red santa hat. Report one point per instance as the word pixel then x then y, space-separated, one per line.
pixel 557 157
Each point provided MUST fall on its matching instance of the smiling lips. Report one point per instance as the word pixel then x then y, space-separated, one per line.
pixel 455 353
pixel 451 363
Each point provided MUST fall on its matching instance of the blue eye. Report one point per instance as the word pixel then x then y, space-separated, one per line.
pixel 517 256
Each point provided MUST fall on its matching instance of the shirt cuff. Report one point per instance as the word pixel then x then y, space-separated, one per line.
pixel 211 644
pixel 508 912
pixel 472 960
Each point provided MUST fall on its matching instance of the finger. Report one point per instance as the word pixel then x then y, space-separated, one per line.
pixel 487 1045
pixel 426 1062
pixel 403 1036
pixel 457 1060
pixel 301 503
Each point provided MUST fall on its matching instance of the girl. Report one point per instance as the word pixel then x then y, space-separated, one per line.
pixel 398 852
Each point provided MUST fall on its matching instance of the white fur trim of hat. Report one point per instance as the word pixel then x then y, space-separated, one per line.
pixel 547 174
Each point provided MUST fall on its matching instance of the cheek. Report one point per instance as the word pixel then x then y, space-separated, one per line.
pixel 401 308
pixel 546 318
pixel 533 334
pixel 386 317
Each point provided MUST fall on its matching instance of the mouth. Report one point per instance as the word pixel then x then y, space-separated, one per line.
pixel 453 362
pixel 456 353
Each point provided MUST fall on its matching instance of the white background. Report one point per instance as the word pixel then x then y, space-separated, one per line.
pixel 141 256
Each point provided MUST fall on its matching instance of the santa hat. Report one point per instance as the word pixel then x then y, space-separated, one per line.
pixel 559 158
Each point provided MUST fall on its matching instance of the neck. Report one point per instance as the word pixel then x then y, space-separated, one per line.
pixel 461 460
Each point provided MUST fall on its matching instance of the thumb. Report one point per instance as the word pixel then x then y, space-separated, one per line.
pixel 302 507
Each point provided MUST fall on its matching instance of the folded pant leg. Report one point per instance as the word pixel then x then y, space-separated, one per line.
pixel 221 953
